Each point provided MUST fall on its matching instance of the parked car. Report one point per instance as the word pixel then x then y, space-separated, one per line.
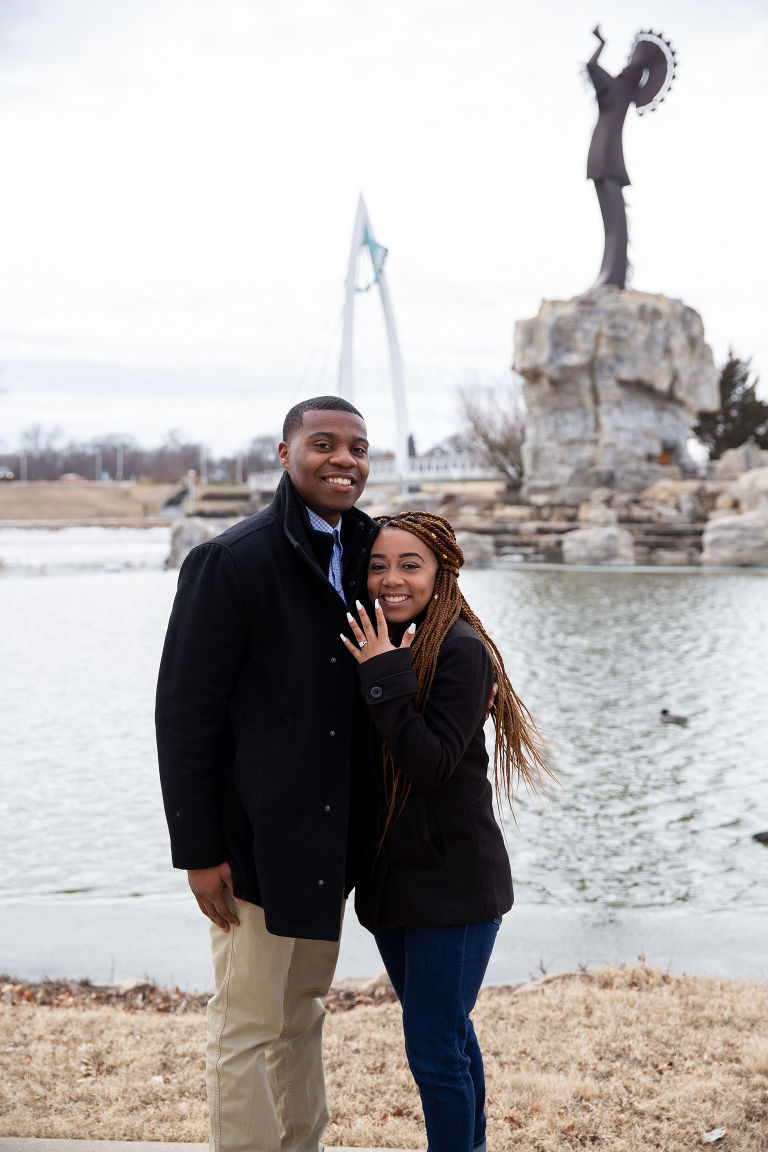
pixel 6 473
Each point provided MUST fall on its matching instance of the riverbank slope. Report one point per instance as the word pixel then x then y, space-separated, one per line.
pixel 619 1057
pixel 84 502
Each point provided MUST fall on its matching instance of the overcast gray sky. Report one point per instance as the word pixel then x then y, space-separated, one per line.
pixel 179 181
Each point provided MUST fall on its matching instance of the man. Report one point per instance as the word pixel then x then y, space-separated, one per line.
pixel 257 742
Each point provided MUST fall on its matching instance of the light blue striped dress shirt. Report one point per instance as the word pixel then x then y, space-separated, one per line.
pixel 334 572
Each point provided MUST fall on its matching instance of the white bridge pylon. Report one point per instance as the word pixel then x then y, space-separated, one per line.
pixel 362 237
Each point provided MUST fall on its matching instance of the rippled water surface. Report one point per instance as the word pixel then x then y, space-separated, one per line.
pixel 645 845
pixel 648 814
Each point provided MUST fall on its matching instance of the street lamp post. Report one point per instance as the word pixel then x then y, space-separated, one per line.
pixel 191 492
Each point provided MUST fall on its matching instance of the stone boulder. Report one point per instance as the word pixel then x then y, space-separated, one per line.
pixel 751 490
pixel 612 382
pixel 423 501
pixel 740 541
pixel 735 461
pixel 186 534
pixel 598 545
pixel 479 551
pixel 686 497
pixel 513 513
pixel 591 513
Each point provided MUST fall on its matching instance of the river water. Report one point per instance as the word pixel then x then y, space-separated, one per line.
pixel 645 847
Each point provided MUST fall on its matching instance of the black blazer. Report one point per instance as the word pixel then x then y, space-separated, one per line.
pixel 255 714
pixel 443 860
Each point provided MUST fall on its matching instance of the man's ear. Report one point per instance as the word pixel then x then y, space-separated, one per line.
pixel 282 451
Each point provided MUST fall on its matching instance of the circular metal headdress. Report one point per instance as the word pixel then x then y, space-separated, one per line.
pixel 659 71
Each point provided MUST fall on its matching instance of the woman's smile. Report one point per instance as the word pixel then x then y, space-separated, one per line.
pixel 401 575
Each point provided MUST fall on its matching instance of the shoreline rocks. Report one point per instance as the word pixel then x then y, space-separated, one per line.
pixel 599 545
pixel 737 541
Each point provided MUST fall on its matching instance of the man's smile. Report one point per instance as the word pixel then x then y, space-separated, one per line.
pixel 339 481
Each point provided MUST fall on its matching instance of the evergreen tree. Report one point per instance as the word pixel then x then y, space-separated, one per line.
pixel 741 418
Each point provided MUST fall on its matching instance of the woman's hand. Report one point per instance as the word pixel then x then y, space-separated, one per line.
pixel 372 639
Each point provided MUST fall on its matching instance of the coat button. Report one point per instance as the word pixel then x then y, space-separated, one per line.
pixel 327 807
pixel 320 883
pixel 376 692
pixel 332 732
pixel 333 659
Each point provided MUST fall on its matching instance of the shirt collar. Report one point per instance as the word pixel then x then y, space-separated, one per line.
pixel 319 524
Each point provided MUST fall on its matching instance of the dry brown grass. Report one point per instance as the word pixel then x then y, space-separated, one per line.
pixel 89 502
pixel 622 1058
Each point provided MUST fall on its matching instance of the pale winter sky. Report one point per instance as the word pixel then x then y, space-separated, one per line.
pixel 179 181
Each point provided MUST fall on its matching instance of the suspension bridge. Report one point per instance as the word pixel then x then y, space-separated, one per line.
pixel 389 472
pixel 401 468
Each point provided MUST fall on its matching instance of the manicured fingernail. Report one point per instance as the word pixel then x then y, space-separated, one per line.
pixel 376 605
pixel 358 604
pixel 343 637
pixel 411 628
pixel 350 617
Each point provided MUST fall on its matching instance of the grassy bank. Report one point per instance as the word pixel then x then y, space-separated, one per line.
pixel 83 503
pixel 620 1058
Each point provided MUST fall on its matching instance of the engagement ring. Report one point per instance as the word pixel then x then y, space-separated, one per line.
pixel 362 643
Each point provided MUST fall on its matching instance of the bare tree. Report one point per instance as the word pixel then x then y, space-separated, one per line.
pixel 494 425
pixel 118 455
pixel 43 448
pixel 261 454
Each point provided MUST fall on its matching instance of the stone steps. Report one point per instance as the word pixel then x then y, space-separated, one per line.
pixel 541 541
pixel 663 531
pixel 669 545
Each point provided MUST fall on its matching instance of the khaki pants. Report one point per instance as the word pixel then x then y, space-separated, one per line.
pixel 266 1090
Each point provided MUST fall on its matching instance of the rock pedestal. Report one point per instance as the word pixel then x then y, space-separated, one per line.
pixel 612 382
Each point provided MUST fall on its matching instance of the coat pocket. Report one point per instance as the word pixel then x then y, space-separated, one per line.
pixel 411 840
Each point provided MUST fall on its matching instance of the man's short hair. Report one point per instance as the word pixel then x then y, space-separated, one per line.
pixel 295 417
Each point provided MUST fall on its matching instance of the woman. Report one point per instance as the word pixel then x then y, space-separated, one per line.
pixel 439 879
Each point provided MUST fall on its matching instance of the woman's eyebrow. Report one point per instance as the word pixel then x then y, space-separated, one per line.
pixel 401 555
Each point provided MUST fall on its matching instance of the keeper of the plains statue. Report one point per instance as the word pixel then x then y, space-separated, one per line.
pixel 644 82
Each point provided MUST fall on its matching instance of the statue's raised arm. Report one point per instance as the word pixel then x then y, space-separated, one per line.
pixel 644 82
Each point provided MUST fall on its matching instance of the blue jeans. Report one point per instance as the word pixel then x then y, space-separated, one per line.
pixel 437 973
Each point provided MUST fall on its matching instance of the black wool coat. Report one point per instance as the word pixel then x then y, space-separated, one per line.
pixel 443 860
pixel 257 727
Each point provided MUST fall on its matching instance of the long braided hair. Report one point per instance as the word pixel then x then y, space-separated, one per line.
pixel 518 755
